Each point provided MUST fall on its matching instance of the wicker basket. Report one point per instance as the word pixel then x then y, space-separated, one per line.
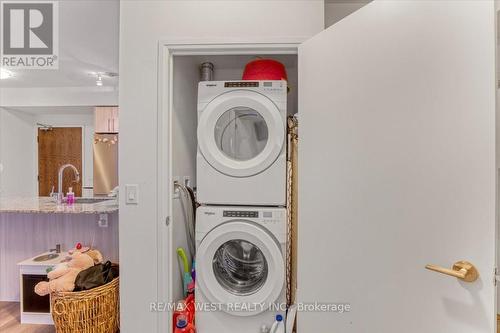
pixel 91 311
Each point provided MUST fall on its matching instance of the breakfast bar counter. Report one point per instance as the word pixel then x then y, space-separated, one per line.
pixel 47 205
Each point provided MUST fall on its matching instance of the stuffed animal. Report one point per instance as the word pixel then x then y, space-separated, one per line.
pixel 95 255
pixel 63 277
pixel 79 248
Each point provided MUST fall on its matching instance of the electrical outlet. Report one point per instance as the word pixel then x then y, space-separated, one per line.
pixel 176 194
pixel 103 220
pixel 186 181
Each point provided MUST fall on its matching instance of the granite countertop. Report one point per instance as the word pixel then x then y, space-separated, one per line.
pixel 49 206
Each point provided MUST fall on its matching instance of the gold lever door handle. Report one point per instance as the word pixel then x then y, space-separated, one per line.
pixel 462 270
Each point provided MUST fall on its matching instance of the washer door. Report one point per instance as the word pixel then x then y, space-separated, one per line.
pixel 241 133
pixel 240 268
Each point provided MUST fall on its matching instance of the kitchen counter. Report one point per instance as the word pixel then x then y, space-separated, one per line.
pixel 48 206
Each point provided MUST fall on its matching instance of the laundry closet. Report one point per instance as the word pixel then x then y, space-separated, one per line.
pixel 262 201
pixel 387 173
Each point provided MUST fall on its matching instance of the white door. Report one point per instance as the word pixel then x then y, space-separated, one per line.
pixel 239 262
pixel 241 133
pixel 397 168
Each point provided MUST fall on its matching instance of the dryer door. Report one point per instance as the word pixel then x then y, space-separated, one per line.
pixel 240 269
pixel 241 133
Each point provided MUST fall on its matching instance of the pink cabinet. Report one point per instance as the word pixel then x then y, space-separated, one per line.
pixel 106 119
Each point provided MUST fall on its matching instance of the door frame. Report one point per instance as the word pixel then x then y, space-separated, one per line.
pixel 82 174
pixel 167 49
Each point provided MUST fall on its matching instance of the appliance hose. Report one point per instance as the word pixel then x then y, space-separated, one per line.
pixel 189 209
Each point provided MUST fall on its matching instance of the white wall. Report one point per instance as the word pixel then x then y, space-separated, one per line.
pixel 184 120
pixel 17 154
pixel 19 148
pixel 143 25
pixel 55 96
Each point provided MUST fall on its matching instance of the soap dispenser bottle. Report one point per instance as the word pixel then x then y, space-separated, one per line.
pixel 70 196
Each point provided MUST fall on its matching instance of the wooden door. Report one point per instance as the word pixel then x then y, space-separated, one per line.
pixel 397 169
pixel 56 147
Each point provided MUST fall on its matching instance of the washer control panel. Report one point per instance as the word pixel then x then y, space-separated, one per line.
pixel 273 219
pixel 262 216
pixel 241 213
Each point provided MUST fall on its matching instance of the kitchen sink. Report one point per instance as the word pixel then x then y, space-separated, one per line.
pixel 90 200
pixel 45 257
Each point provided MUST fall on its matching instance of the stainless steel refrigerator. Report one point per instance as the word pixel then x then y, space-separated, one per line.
pixel 105 163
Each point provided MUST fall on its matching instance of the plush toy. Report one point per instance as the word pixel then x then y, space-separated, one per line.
pixel 79 247
pixel 63 277
pixel 95 255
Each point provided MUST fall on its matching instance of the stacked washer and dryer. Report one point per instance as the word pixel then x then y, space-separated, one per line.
pixel 241 230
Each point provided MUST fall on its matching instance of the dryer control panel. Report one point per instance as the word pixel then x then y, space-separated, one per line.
pixel 242 84
pixel 276 90
pixel 240 213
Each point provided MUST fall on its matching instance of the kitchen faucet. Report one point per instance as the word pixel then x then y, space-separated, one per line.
pixel 57 249
pixel 60 194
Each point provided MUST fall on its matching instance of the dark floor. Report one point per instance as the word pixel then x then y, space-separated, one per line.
pixel 10 321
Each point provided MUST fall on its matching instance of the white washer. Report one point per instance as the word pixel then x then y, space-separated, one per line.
pixel 240 268
pixel 241 156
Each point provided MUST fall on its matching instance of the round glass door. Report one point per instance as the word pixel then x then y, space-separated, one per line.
pixel 240 263
pixel 241 133
pixel 240 267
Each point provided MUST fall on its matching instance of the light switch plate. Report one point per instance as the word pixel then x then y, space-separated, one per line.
pixel 132 194
pixel 103 220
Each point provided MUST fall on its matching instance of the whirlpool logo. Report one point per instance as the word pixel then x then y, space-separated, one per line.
pixel 30 34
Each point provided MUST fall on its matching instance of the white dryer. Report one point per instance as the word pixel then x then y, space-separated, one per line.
pixel 241 156
pixel 240 268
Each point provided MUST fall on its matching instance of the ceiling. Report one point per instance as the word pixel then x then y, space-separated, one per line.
pixel 88 43
pixel 55 110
